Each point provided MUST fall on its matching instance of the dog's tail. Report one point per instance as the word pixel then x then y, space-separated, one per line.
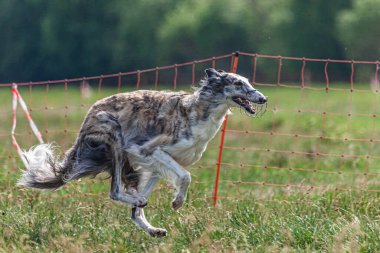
pixel 44 170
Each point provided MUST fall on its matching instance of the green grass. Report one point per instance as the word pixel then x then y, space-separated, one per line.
pixel 266 201
pixel 325 223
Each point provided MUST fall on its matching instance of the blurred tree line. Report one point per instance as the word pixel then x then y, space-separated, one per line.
pixel 43 40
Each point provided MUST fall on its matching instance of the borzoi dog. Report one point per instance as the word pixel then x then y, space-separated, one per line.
pixel 142 136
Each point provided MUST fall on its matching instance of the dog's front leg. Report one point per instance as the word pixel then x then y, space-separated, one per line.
pixel 139 219
pixel 149 186
pixel 171 169
pixel 138 216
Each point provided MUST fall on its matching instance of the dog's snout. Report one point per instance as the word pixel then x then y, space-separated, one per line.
pixel 257 97
pixel 263 100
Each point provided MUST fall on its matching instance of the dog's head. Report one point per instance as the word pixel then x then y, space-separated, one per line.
pixel 235 90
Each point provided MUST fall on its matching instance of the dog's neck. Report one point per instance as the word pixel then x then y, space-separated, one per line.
pixel 210 103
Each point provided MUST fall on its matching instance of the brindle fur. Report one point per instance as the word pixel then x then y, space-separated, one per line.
pixel 141 136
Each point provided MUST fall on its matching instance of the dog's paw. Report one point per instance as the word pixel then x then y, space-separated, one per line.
pixel 178 202
pixel 140 202
pixel 158 232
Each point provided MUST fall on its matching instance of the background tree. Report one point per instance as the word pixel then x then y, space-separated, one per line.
pixel 77 37
pixel 20 50
pixel 135 45
pixel 197 28
pixel 359 30
pixel 57 39
pixel 307 29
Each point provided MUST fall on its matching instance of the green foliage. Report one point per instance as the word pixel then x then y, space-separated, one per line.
pixel 135 44
pixel 311 31
pixel 21 54
pixel 44 40
pixel 359 29
pixel 197 28
pixel 76 37
pixel 306 29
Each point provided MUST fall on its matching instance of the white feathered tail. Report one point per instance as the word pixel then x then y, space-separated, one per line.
pixel 44 171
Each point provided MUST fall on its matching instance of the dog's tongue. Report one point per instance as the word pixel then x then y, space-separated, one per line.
pixel 245 104
pixel 250 108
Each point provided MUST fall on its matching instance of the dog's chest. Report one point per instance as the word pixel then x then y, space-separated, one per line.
pixel 190 150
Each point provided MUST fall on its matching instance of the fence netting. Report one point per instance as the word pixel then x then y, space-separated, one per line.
pixel 321 130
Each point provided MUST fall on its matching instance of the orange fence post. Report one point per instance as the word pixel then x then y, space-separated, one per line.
pixel 234 65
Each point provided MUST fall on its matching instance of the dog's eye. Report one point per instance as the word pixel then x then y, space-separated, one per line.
pixel 239 83
pixel 92 143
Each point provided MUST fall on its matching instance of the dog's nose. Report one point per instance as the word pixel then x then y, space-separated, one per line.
pixel 263 100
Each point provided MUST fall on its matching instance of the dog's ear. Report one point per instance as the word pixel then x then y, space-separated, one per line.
pixel 212 73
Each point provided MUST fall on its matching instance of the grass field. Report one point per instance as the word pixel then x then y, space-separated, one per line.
pixel 287 199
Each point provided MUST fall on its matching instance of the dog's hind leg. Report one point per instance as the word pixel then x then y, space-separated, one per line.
pixel 139 219
pixel 117 187
pixel 112 129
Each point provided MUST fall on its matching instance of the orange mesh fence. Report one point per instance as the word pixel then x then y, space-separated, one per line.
pixel 316 136
pixel 320 132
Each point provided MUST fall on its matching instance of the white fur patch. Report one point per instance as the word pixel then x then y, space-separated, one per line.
pixel 189 151
pixel 38 169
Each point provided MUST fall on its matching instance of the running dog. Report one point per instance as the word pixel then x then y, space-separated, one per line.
pixel 140 137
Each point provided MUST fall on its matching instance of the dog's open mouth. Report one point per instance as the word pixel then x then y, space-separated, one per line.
pixel 244 103
pixel 249 107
